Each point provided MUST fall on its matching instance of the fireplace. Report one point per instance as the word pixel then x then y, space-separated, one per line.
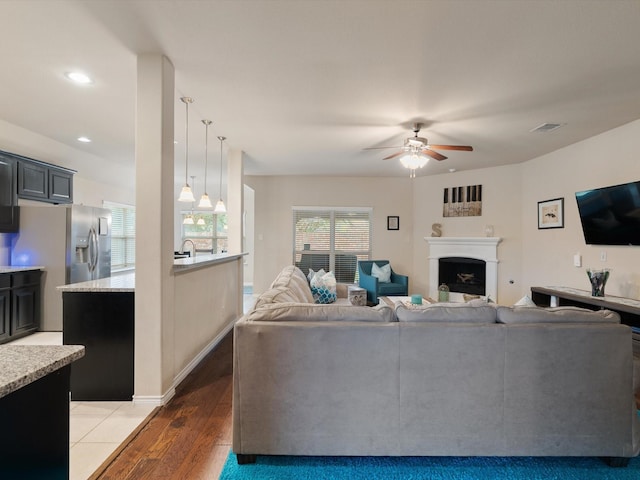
pixel 463 275
pixel 473 255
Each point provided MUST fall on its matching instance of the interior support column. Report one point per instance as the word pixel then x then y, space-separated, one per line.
pixel 235 212
pixel 154 297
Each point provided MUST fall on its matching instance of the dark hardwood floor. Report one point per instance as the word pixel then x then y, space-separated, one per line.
pixel 190 437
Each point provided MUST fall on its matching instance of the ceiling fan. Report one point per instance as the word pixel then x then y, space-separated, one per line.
pixel 415 148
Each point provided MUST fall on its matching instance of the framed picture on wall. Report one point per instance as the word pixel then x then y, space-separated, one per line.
pixel 551 213
pixel 393 223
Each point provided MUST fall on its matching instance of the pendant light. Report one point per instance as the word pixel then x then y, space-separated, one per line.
pixel 188 220
pixel 204 199
pixel 220 208
pixel 186 195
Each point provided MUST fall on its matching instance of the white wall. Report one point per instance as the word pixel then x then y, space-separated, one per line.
pixel 501 196
pixel 275 195
pixel 607 159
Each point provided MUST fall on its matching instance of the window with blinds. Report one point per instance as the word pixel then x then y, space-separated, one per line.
pixel 332 239
pixel 208 231
pixel 123 236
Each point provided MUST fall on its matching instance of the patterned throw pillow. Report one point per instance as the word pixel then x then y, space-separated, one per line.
pixel 323 287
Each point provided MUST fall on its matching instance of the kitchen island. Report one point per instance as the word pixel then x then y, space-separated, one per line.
pixel 99 314
pixel 34 410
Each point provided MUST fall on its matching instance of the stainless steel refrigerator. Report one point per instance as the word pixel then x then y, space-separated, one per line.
pixel 71 242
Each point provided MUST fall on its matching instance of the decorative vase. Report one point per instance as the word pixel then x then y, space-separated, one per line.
pixel 443 293
pixel 598 279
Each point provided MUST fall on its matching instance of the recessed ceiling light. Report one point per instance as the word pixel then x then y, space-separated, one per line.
pixel 79 77
pixel 84 139
pixel 452 170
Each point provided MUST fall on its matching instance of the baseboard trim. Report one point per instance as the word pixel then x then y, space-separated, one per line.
pixel 203 353
pixel 155 400
pixel 160 400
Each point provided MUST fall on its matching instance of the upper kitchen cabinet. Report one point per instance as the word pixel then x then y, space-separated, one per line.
pixel 9 215
pixel 44 182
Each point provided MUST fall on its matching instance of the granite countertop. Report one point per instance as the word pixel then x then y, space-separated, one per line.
pixel 21 365
pixel 8 269
pixel 203 260
pixel 118 283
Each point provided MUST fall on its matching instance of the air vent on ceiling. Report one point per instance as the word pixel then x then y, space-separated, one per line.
pixel 547 127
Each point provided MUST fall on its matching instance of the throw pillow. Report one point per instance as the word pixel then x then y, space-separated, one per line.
pixel 383 273
pixel 323 287
pixel 525 302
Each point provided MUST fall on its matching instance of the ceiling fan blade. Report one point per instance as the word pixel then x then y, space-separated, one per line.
pixel 433 154
pixel 465 148
pixel 394 155
pixel 380 148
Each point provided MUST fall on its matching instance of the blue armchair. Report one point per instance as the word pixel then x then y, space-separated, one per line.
pixel 399 284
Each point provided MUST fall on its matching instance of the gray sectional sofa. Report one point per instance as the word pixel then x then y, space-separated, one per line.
pixel 468 379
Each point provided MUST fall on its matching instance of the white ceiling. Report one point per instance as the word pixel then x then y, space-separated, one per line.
pixel 302 87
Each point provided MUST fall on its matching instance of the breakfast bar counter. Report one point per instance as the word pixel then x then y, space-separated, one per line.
pixel 34 410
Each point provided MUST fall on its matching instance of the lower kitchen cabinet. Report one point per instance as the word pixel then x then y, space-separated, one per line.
pixel 20 297
pixel 5 307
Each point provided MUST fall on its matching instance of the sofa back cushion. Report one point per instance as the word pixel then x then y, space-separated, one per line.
pixel 476 311
pixel 292 278
pixel 517 314
pixel 298 312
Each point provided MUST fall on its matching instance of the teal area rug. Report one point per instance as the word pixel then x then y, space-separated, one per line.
pixel 427 468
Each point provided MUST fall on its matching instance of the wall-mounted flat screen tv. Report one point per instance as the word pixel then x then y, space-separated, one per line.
pixel 611 215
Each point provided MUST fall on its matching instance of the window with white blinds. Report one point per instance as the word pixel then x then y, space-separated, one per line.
pixel 123 236
pixel 332 239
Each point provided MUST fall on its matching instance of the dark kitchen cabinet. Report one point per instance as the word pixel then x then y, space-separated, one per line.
pixel 33 181
pixel 5 306
pixel 9 213
pixel 44 182
pixel 20 303
pixel 60 185
pixel 23 177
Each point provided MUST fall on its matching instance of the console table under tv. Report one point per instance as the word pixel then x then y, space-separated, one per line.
pixel 627 308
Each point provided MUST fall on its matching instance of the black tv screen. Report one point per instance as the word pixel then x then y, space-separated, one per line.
pixel 611 215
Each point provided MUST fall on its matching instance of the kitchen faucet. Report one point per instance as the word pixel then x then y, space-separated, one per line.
pixel 192 244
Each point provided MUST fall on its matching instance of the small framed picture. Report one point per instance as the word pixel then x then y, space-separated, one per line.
pixel 551 213
pixel 393 223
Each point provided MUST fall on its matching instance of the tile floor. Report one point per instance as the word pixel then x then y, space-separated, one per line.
pixel 96 429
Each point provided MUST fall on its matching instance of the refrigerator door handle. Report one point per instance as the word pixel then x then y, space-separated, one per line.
pixel 93 253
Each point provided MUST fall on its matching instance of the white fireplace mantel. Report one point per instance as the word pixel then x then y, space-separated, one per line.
pixel 480 248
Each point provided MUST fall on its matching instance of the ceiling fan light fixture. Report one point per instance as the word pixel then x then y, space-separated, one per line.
pixel 414 160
